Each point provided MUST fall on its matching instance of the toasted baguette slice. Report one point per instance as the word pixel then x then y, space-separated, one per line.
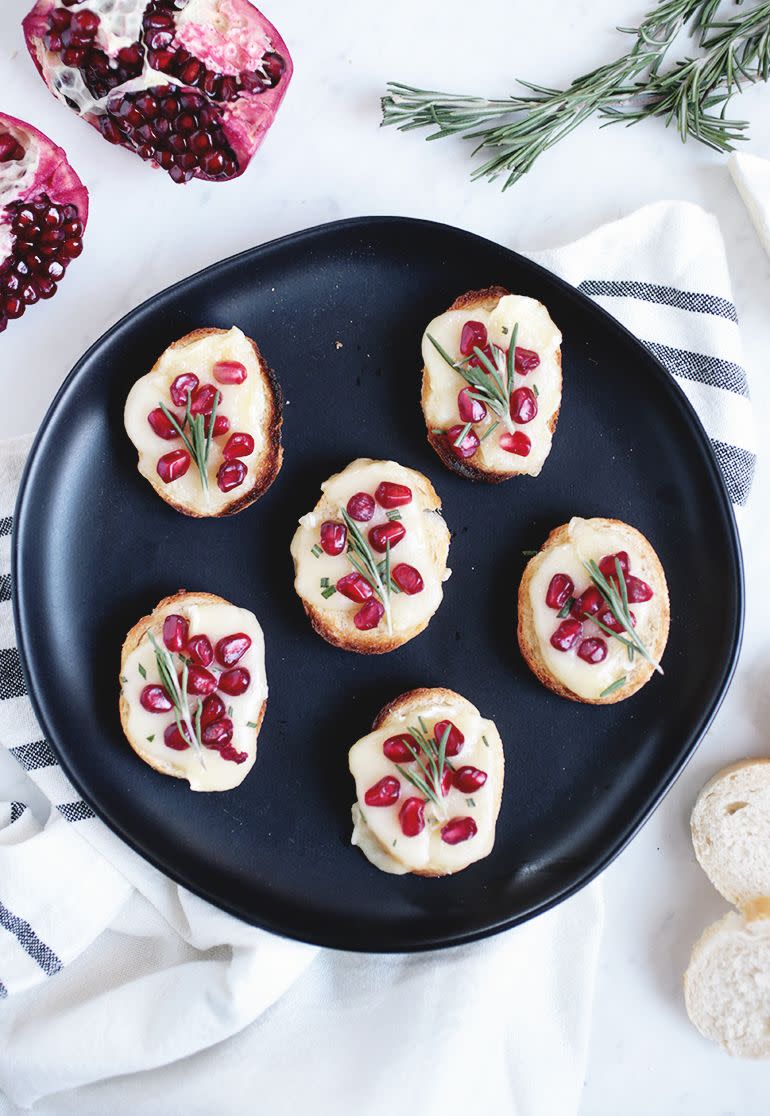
pixel 538 342
pixel 221 763
pixel 251 407
pixel 565 672
pixel 424 548
pixel 727 983
pixel 377 830
pixel 730 827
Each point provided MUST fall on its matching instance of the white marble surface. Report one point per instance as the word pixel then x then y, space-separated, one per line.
pixel 326 158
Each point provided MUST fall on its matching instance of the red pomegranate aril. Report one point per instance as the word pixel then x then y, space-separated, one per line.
pixel 469 779
pixel 361 507
pixel 200 650
pixel 468 444
pixel 607 564
pixel 369 616
pixel 231 648
pixel 560 590
pixel 238 445
pixel 213 709
pixel 355 587
pixel 477 362
pixel 518 443
pixel 609 620
pixel 411 816
pixel 203 399
pixel 446 782
pixel 400 749
pixel 473 336
pixel 334 537
pixel 408 579
pixel 183 385
pixel 455 739
pixel 231 474
pixel 593 650
pixel 385 534
pixel 173 465
pixel 155 700
pixel 523 405
pixel 200 681
pixel 525 360
pixel 235 682
pixel 457 830
pixel 218 733
pixel 638 590
pixel 175 632
pixel 391 495
pixel 162 425
pixel 383 793
pixel 173 738
pixel 566 635
pixel 589 604
pixel 221 425
pixel 470 409
pixel 229 372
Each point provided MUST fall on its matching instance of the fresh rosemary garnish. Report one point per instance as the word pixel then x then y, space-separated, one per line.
pixel 151 737
pixel 489 430
pixel 528 553
pixel 195 434
pixel 362 560
pixel 486 742
pixel 432 766
pixel 189 724
pixel 328 592
pixel 566 608
pixel 251 724
pixel 393 513
pixel 490 383
pixel 616 599
pixel 613 687
pixel 316 551
pixel 470 802
pixel 142 671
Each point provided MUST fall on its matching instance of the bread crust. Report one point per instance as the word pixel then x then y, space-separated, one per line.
pixel 271 458
pixel 486 299
pixel 165 608
pixel 527 635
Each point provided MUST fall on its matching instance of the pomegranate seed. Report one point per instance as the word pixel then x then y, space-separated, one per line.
pixel 386 533
pixel 518 443
pixel 334 537
pixel 161 424
pixel 173 465
pixel 229 753
pixel 609 620
pixel 203 399
pixel 559 591
pixel 232 648
pixel 638 590
pixel 200 650
pixel 218 733
pixel 173 738
pixel 397 748
pixel 566 635
pixel 477 362
pixel 457 830
pixel 593 650
pixel 369 616
pixel 238 445
pixel 446 782
pixel 470 409
pixel 221 425
pixel 361 507
pixel 355 588
pixel 607 564
pixel 200 681
pixel 175 632
pixel 589 604
pixel 389 495
pixel 455 739
pixel 235 682
pixel 525 360
pixel 229 372
pixel 384 793
pixel 523 405
pixel 469 444
pixel 469 779
pixel 155 700
pixel 85 21
pixel 411 816
pixel 473 336
pixel 230 475
pixel 213 709
pixel 181 387
pixel 408 579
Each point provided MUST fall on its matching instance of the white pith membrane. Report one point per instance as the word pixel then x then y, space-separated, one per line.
pixel 414 549
pixel 16 178
pixel 592 539
pixel 376 829
pixel 536 332
pixel 205 770
pixel 243 404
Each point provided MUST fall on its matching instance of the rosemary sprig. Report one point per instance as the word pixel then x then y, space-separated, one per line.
pixel 195 435
pixel 488 386
pixel 613 686
pixel 617 602
pixel 361 558
pixel 432 770
pixel 189 725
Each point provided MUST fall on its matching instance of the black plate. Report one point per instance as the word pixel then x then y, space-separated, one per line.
pixel 339 312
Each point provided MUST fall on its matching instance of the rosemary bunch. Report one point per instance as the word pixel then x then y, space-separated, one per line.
pixel 361 559
pixel 196 435
pixel 492 385
pixel 615 595
pixel 188 723
pixel 432 761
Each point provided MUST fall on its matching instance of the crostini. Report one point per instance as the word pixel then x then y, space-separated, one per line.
pixel 594 611
pixel 193 690
pixel 429 782
pixel 491 384
pixel 370 559
pixel 206 423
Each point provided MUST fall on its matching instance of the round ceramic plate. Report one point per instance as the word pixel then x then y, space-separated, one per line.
pixel 339 312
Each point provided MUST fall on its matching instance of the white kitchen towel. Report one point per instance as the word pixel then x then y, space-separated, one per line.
pixel 751 175
pixel 120 986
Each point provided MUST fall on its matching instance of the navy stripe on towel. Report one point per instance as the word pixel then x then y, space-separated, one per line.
pixel 75 811
pixel 6 525
pixel 694 301
pixel 29 941
pixel 17 809
pixel 12 683
pixel 700 368
pixel 737 467
pixel 35 755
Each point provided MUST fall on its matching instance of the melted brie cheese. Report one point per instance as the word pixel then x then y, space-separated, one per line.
pixel 591 539
pixel 243 404
pixel 376 829
pixel 207 771
pixel 536 332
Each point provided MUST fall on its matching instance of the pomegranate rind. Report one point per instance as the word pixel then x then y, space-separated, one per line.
pixel 53 175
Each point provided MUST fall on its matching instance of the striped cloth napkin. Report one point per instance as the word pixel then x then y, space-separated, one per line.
pixel 108 968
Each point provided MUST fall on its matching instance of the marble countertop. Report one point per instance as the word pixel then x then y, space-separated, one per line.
pixel 326 158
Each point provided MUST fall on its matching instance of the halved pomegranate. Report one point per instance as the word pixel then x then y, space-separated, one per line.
pixel 43 212
pixel 191 86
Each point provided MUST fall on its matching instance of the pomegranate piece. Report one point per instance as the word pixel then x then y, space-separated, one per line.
pixel 228 752
pixel 161 425
pixel 589 604
pixel 43 212
pixel 232 648
pixel 218 733
pixel 607 564
pixel 213 709
pixel 446 782
pixel 386 533
pixel 525 360
pixel 473 336
pixel 221 425
pixel 457 830
pixel 468 444
pixel 407 578
pixel 469 408
pixel 173 465
pixel 523 405
pixel 369 616
pixel 184 385
pixel 231 474
pixel 592 650
pixel 469 779
pixel 411 816
pixel 566 635
pixel 518 443
pixel 155 700
pixel 202 402
pixel 200 650
pixel 455 739
pixel 175 632
pixel 229 372
pixel 194 90
pixel 608 619
pixel 559 591
pixel 638 590
pixel 200 682
pixel 173 738
pixel 355 587
pixel 400 749
pixel 334 537
pixel 384 793
pixel 235 682
pixel 361 507
pixel 477 362
pixel 390 495
pixel 237 445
